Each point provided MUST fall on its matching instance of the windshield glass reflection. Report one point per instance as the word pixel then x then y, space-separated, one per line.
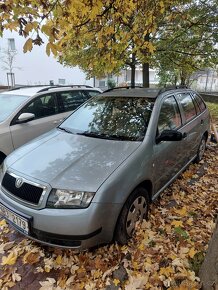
pixel 116 118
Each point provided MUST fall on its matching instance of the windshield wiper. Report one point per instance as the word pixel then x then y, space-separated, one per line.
pixel 94 135
pixel 65 130
pixel 106 136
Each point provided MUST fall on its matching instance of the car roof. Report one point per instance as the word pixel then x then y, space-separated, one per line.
pixel 150 93
pixel 24 91
pixel 33 90
pixel 132 92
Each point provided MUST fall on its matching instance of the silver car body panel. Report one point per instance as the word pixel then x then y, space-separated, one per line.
pixel 110 168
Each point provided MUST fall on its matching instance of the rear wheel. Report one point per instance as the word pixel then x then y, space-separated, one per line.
pixel 201 150
pixel 135 209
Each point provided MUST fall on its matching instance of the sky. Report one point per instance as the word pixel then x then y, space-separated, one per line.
pixel 35 67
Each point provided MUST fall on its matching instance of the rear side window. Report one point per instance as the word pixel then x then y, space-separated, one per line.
pixel 187 105
pixel 70 100
pixel 199 101
pixel 92 93
pixel 169 118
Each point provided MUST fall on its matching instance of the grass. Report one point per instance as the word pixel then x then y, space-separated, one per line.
pixel 213 108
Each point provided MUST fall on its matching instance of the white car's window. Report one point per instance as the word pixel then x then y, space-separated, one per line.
pixel 119 118
pixel 169 118
pixel 43 106
pixel 9 103
pixel 70 100
pixel 92 93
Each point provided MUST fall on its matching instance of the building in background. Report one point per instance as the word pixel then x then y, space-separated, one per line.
pixel 124 78
pixel 204 80
pixel 35 67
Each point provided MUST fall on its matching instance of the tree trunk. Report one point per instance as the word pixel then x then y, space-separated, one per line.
pixel 133 75
pixel 133 70
pixel 145 75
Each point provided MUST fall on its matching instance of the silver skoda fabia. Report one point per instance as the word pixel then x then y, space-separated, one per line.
pixel 90 180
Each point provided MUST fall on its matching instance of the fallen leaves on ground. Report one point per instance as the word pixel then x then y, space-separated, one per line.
pixel 165 253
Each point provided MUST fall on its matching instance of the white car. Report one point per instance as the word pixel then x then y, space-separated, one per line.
pixel 27 112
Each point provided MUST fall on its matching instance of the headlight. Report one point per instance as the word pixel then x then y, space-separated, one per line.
pixel 60 198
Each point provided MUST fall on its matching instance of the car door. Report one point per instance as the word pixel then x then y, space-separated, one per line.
pixel 191 123
pixel 45 109
pixel 169 156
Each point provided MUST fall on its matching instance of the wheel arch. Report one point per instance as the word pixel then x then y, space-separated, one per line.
pixel 2 156
pixel 148 186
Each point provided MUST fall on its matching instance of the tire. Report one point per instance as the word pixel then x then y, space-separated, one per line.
pixel 135 209
pixel 201 150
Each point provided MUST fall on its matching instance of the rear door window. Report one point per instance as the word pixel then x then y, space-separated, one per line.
pixel 169 118
pixel 187 105
pixel 199 101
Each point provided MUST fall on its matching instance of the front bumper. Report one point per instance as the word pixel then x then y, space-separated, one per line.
pixel 68 228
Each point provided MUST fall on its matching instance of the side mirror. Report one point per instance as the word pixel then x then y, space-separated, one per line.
pixel 170 135
pixel 25 117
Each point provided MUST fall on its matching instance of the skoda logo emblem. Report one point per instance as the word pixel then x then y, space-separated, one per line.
pixel 18 182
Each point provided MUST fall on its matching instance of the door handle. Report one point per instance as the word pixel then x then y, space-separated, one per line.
pixel 202 122
pixel 184 135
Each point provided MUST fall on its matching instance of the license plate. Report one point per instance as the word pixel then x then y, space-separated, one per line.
pixel 20 222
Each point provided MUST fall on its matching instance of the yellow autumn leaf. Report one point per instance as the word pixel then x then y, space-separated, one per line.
pixel 177 223
pixel 166 271
pixel 28 45
pixel 116 282
pixel 28 27
pixel 181 212
pixel 141 247
pixel 192 252
pixel 2 223
pixel 190 221
pixel 47 269
pixel 58 260
pixel 10 259
pixel 48 48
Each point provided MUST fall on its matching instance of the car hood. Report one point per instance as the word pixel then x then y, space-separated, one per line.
pixel 70 161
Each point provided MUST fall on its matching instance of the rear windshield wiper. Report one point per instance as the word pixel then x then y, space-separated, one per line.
pixel 65 130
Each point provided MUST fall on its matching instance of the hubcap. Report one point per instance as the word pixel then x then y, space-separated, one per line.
pixel 202 148
pixel 137 212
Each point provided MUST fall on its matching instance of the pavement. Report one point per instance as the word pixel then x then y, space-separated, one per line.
pixel 209 269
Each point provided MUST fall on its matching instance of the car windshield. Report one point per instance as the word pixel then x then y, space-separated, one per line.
pixel 116 118
pixel 9 103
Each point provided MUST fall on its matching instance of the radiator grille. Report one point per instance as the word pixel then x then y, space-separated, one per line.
pixel 27 192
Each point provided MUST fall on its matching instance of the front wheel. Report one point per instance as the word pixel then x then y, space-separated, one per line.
pixel 135 209
pixel 201 150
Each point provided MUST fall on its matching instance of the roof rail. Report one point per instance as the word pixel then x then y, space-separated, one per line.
pixel 50 87
pixel 126 87
pixel 29 86
pixel 169 88
pixel 65 86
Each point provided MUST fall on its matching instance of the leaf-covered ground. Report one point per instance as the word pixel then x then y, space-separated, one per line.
pixel 165 253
